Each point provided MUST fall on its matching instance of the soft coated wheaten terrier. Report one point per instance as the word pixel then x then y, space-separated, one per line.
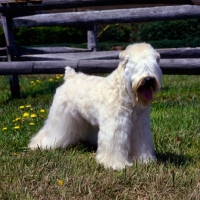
pixel 112 110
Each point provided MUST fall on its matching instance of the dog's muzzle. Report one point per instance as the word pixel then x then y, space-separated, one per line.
pixel 147 88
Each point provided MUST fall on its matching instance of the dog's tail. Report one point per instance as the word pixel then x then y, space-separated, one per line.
pixel 69 72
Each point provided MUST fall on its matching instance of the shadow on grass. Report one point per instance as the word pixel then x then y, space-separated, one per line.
pixel 165 158
pixel 175 159
pixel 84 146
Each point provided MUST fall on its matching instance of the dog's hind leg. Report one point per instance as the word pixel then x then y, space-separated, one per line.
pixel 61 128
pixel 59 131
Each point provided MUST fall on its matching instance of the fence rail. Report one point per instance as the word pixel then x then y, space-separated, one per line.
pixel 66 53
pixel 168 66
pixel 109 16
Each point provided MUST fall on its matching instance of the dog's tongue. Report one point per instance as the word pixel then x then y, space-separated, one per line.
pixel 147 93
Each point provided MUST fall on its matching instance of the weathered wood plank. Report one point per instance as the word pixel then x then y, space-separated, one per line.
pixel 180 52
pixel 18 51
pixel 6 5
pixel 87 54
pixel 72 56
pixel 8 32
pixel 97 66
pixel 109 16
pixel 180 66
pixel 105 55
pixel 53 67
pixel 168 66
pixel 7 68
pixel 35 67
pixel 92 38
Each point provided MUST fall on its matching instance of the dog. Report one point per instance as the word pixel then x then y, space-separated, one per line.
pixel 111 111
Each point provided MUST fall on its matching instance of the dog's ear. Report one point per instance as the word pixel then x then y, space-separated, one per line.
pixel 123 56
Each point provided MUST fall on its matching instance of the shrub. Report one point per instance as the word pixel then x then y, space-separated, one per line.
pixel 114 33
pixel 171 30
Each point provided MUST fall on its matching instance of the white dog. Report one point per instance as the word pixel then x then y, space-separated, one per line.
pixel 114 111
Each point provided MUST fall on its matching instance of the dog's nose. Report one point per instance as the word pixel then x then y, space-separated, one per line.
pixel 148 81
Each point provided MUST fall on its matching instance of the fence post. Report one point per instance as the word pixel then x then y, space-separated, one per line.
pixel 8 32
pixel 92 38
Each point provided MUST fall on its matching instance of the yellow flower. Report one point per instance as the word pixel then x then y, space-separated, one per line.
pixel 25 114
pixel 17 119
pixel 15 154
pixel 31 123
pixel 60 182
pixel 33 115
pixel 4 128
pixel 42 110
pixel 21 107
pixel 32 82
pixel 28 106
pixel 38 81
pixel 50 79
pixel 16 127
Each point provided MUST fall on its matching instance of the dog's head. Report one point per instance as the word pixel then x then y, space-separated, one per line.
pixel 141 72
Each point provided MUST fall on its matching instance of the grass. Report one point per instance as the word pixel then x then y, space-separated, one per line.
pixel 74 174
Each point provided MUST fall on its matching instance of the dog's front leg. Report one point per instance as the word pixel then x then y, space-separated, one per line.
pixel 114 144
pixel 142 141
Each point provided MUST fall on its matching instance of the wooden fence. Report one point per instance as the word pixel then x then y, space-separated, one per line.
pixel 29 13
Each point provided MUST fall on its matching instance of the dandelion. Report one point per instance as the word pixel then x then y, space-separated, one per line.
pixel 38 81
pixel 57 77
pixel 25 114
pixel 32 82
pixel 28 106
pixel 16 127
pixel 17 119
pixel 60 182
pixel 21 107
pixel 4 128
pixel 15 154
pixel 33 115
pixel 42 110
pixel 50 79
pixel 31 123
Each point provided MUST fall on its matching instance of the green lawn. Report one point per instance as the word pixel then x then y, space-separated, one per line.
pixel 74 173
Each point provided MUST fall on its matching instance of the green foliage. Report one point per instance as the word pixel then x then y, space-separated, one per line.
pixel 189 42
pixel 49 35
pixel 171 30
pixel 114 33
